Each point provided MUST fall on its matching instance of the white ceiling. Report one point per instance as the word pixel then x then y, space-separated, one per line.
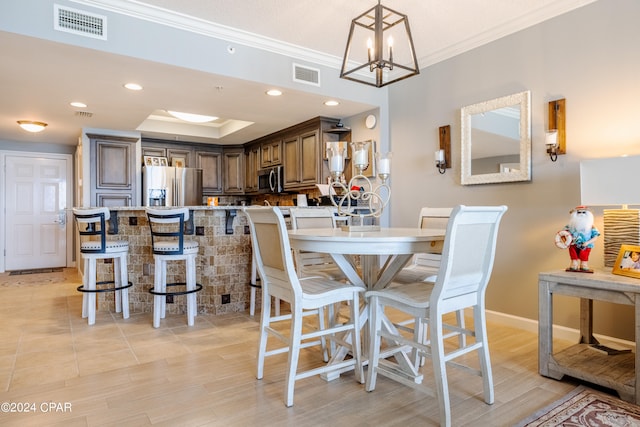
pixel 39 78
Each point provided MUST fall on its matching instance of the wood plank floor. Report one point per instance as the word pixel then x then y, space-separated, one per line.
pixel 126 373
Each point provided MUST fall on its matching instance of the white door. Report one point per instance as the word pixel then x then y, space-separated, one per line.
pixel 35 203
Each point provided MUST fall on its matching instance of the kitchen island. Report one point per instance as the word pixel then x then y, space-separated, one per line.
pixel 223 265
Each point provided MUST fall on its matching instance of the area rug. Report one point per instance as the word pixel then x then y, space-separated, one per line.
pixel 585 407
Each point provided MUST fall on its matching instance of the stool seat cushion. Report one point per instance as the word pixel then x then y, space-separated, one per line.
pixel 111 246
pixel 189 246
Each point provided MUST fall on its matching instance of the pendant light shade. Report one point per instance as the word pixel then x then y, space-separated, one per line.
pixel 380 48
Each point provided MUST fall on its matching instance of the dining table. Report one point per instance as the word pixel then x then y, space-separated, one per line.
pixel 369 259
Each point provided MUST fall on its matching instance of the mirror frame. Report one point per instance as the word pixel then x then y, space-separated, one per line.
pixel 523 100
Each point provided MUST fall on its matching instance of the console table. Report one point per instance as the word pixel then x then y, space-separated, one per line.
pixel 579 361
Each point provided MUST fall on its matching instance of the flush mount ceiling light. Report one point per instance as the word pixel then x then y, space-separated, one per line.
pixel 331 103
pixel 378 32
pixel 133 86
pixel 31 126
pixel 78 104
pixel 192 118
pixel 274 92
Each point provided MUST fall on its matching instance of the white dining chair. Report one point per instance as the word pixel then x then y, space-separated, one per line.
pixel 305 295
pixel 424 266
pixel 467 261
pixel 314 263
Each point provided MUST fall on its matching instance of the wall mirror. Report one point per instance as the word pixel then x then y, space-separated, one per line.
pixel 496 140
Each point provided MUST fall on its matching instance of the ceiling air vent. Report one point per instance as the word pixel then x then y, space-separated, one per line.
pixel 79 22
pixel 83 114
pixel 306 75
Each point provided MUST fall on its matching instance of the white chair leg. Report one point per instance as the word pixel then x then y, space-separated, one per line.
pixel 85 285
pixel 191 285
pixel 91 296
pixel 462 338
pixel 356 341
pixel 157 299
pixel 440 369
pixel 252 301
pixel 117 281
pixel 483 353
pixel 124 280
pixel 294 355
pixel 264 335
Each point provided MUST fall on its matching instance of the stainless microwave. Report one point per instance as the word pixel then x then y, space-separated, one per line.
pixel 271 180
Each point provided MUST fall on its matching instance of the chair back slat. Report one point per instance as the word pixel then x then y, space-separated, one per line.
pixel 304 218
pixel 272 251
pixel 92 228
pixel 167 230
pixel 469 252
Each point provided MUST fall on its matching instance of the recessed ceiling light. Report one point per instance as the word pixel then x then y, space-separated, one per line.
pixel 31 126
pixel 133 86
pixel 274 92
pixel 331 103
pixel 78 104
pixel 192 118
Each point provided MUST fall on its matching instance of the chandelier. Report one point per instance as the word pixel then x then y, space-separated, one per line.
pixel 379 49
pixel 360 198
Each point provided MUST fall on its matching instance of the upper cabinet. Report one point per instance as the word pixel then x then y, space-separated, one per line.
pixel 251 167
pixel 233 167
pixel 113 180
pixel 210 161
pixel 271 153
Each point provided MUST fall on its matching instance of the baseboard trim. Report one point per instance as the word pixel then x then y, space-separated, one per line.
pixel 560 332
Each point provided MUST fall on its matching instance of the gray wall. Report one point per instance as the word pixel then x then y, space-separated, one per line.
pixel 590 57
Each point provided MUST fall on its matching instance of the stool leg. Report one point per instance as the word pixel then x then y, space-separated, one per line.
pixel 191 285
pixel 252 301
pixel 91 296
pixel 157 299
pixel 85 286
pixel 117 281
pixel 163 288
pixel 124 280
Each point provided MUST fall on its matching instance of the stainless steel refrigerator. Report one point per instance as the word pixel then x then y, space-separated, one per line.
pixel 170 186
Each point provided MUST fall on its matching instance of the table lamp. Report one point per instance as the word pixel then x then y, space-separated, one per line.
pixel 612 182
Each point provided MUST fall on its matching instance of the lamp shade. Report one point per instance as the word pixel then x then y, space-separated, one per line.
pixel 609 181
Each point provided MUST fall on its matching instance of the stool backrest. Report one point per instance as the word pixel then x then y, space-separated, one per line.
pixel 167 230
pixel 92 227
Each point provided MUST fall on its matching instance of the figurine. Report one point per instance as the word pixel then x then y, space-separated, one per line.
pixel 578 236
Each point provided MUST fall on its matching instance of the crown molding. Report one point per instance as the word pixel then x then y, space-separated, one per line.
pixel 139 10
pixel 195 25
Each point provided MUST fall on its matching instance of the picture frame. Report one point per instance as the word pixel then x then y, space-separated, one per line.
pixel 628 261
pixel 178 162
pixel 148 160
pixel 163 161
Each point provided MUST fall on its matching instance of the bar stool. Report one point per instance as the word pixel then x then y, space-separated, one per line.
pixel 92 227
pixel 168 244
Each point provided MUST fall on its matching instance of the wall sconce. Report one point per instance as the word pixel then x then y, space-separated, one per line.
pixel 443 155
pixel 555 139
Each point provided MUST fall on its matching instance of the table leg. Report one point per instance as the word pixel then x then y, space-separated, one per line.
pixel 545 327
pixel 586 322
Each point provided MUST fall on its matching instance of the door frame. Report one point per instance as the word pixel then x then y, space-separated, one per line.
pixel 69 195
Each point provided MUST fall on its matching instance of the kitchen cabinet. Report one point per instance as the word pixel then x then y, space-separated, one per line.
pixel 271 153
pixel 302 160
pixel 112 180
pixel 179 156
pixel 210 161
pixel 252 166
pixel 175 153
pixel 233 167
